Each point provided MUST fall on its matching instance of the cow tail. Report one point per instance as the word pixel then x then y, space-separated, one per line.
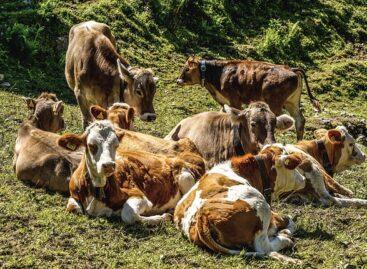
pixel 313 99
pixel 203 229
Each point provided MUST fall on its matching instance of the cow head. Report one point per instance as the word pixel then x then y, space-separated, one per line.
pixel 190 73
pixel 100 141
pixel 140 90
pixel 120 114
pixel 46 112
pixel 258 124
pixel 342 149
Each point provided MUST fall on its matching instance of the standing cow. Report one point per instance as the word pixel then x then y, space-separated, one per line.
pixel 239 82
pixel 98 75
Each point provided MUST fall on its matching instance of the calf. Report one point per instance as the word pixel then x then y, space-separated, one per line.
pixel 240 82
pixel 333 151
pixel 98 75
pixel 219 136
pixel 37 157
pixel 139 186
pixel 226 210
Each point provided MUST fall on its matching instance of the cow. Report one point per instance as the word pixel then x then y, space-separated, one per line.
pixel 331 152
pixel 228 209
pixel 138 186
pixel 99 75
pixel 135 141
pixel 219 136
pixel 37 157
pixel 235 82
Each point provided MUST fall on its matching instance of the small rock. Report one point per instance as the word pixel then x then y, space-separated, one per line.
pixel 2 77
pixel 5 85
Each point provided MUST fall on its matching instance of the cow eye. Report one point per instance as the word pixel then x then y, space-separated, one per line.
pixel 93 148
pixel 139 92
pixel 253 123
pixel 351 144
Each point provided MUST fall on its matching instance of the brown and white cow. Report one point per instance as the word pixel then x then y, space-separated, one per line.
pixel 236 82
pixel 121 116
pixel 333 151
pixel 226 210
pixel 37 157
pixel 219 136
pixel 138 186
pixel 98 75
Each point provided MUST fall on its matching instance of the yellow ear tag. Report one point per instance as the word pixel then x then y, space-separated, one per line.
pixel 71 146
pixel 100 116
pixel 286 162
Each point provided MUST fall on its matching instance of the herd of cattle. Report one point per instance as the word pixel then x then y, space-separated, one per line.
pixel 217 172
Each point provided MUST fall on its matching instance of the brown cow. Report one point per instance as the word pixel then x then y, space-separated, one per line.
pixel 98 75
pixel 226 210
pixel 37 157
pixel 240 82
pixel 139 186
pixel 219 136
pixel 333 151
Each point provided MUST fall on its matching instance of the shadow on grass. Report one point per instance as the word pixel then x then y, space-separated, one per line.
pixel 318 233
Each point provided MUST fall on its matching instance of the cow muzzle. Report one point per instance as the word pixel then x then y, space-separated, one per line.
pixel 108 168
pixel 148 117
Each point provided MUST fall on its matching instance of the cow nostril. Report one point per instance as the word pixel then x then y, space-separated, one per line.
pixel 109 166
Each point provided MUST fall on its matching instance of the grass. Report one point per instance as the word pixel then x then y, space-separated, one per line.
pixel 35 230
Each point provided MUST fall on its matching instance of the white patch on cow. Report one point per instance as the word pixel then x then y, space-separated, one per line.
pixel 287 180
pixel 97 208
pixel 89 25
pixel 119 105
pixel 190 213
pixel 225 169
pixel 73 205
pixel 185 181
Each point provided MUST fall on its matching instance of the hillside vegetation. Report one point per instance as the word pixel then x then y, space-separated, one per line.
pixel 327 38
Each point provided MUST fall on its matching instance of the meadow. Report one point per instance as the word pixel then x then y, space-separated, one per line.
pixel 327 38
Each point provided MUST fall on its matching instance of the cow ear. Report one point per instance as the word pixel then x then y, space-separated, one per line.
pixel 319 133
pixel 57 108
pixel 31 103
pixel 99 113
pixel 335 136
pixel 292 161
pixel 233 112
pixel 71 141
pixel 124 72
pixel 284 122
pixel 130 115
pixel 120 134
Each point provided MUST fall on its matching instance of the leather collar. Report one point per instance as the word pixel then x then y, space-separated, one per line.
pixel 264 178
pixel 328 166
pixel 202 69
pixel 237 144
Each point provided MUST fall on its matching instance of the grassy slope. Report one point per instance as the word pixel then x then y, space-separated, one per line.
pixel 34 229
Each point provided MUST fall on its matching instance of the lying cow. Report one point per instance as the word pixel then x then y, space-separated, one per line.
pixel 98 75
pixel 139 186
pixel 333 151
pixel 37 157
pixel 135 141
pixel 220 136
pixel 226 210
pixel 240 82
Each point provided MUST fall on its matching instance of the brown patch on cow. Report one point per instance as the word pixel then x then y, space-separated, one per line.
pixel 278 221
pixel 292 161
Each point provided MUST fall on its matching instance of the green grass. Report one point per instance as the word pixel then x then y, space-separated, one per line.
pixel 325 37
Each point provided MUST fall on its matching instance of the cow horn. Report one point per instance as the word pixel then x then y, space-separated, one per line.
pixel 124 71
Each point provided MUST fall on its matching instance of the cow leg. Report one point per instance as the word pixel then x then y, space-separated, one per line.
pixel 83 104
pixel 336 188
pixel 135 206
pixel 295 111
pixel 281 224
